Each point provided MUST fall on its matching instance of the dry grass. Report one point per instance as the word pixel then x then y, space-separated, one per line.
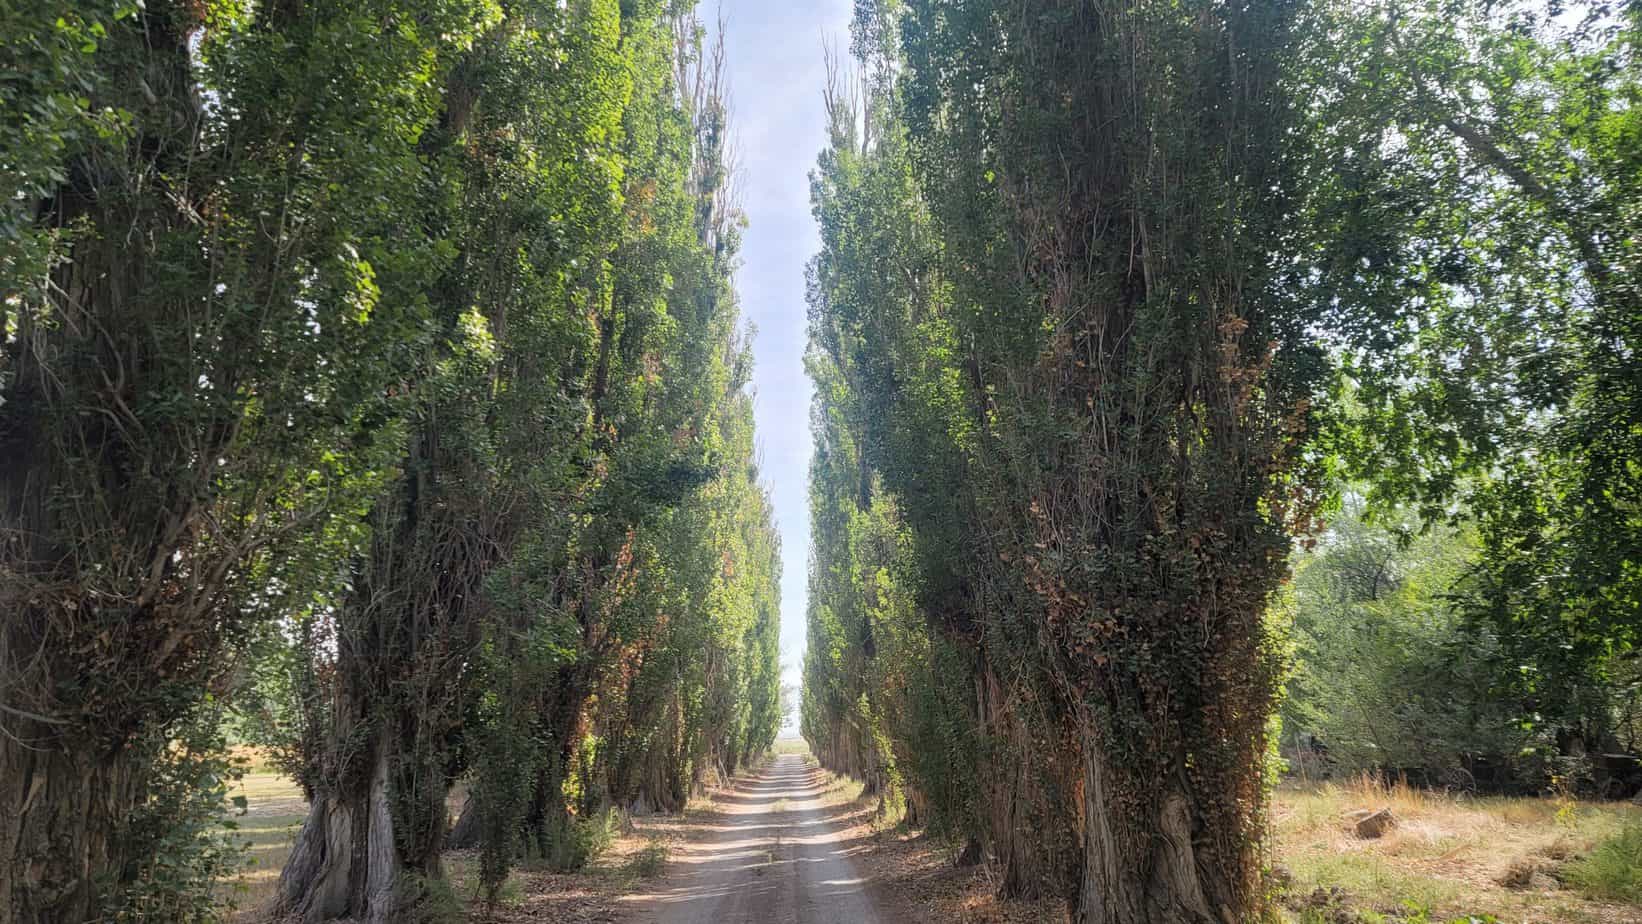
pixel 1448 855
pixel 841 789
pixel 274 814
pixel 916 874
pixel 275 811
pixel 791 746
pixel 1447 858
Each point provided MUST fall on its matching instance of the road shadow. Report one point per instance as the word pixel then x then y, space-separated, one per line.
pixel 770 850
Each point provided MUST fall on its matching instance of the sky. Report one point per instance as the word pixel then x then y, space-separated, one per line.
pixel 774 58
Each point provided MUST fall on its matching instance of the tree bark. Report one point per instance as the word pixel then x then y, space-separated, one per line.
pixel 1144 868
pixel 658 787
pixel 345 863
pixel 547 824
pixel 71 775
pixel 62 810
pixel 1025 787
pixel 466 832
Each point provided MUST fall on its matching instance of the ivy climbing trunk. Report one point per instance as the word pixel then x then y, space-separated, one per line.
pixel 1026 786
pixel 547 823
pixel 111 594
pixel 378 813
pixel 1076 298
pixel 1141 866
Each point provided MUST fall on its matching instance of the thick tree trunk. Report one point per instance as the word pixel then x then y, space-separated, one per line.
pixel 547 824
pixel 660 787
pixel 62 807
pixel 1026 787
pixel 466 832
pixel 345 863
pixel 72 607
pixel 1145 868
pixel 374 818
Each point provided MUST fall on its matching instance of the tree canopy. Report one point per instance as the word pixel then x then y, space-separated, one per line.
pixel 1199 387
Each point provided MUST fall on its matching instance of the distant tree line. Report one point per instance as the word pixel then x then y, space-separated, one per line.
pixel 1115 303
pixel 373 384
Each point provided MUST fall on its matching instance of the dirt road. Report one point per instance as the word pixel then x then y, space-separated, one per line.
pixel 774 852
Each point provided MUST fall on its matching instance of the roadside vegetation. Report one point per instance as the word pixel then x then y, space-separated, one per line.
pixel 373 393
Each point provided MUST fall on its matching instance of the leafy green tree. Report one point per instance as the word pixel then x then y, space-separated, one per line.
pixel 212 277
pixel 1389 674
pixel 526 216
pixel 577 517
pixel 1050 235
pixel 1477 214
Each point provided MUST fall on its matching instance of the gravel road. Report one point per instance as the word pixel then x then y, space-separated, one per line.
pixel 774 852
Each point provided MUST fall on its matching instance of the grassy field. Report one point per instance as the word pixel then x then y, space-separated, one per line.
pixel 274 814
pixel 790 746
pixel 1520 860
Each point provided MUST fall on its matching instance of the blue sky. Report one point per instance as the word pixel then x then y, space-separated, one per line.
pixel 776 75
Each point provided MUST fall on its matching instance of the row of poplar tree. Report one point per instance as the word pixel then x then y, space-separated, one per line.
pixel 1114 300
pixel 378 358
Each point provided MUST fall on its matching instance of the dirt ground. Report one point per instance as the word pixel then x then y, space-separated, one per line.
pixel 775 850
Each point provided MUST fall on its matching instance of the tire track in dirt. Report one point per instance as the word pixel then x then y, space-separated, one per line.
pixel 773 852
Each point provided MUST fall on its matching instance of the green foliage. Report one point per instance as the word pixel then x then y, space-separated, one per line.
pixel 1061 388
pixel 649 862
pixel 182 844
pixel 431 901
pixel 576 518
pixel 1389 675
pixel 1475 215
pixel 389 349
pixel 583 840
pixel 212 279
pixel 1428 210
pixel 378 361
pixel 1613 870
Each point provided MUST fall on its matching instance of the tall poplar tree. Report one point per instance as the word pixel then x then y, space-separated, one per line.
pixel 200 344
pixel 1100 335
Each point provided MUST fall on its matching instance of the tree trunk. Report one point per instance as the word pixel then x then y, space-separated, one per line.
pixel 1144 868
pixel 1027 783
pixel 547 824
pixel 466 832
pixel 378 812
pixel 62 807
pixel 660 787
pixel 345 863
pixel 72 605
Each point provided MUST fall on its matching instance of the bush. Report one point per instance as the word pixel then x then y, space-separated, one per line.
pixel 1613 871
pixel 1390 676
pixel 182 842
pixel 649 862
pixel 429 900
pixel 583 839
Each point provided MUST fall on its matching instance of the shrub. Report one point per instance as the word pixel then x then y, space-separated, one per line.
pixel 1613 871
pixel 430 901
pixel 649 862
pixel 181 836
pixel 1389 674
pixel 583 839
